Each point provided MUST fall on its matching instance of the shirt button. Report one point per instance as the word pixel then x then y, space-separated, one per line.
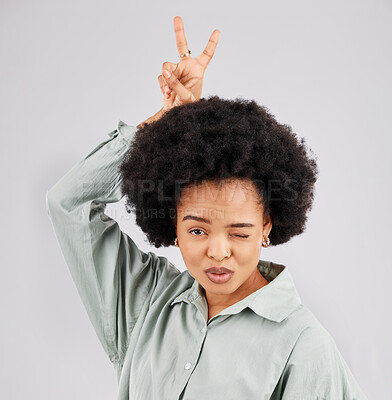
pixel 204 329
pixel 188 365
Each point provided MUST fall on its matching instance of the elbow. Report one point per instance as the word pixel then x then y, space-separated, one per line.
pixel 53 200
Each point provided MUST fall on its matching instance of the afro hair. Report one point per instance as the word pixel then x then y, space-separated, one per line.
pixel 217 139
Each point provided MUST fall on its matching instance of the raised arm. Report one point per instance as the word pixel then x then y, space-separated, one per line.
pixel 113 277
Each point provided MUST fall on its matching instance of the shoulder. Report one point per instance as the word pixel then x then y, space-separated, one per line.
pixel 315 368
pixel 315 347
pixel 314 339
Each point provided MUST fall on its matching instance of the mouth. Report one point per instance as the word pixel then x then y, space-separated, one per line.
pixel 219 270
pixel 219 274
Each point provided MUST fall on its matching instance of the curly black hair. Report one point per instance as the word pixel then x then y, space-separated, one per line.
pixel 215 139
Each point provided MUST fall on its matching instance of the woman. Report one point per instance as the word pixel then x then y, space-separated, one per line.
pixel 220 179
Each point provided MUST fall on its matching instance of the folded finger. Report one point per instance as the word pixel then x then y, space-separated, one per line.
pixel 164 88
pixel 181 91
pixel 169 66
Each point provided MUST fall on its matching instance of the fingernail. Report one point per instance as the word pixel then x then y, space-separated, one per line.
pixel 166 73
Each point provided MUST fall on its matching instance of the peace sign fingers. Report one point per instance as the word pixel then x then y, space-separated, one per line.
pixel 182 45
pixel 205 57
pixel 183 82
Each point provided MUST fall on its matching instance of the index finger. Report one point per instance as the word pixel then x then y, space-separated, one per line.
pixel 182 45
pixel 208 52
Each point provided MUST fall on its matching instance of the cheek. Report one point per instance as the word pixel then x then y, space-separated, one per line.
pixel 191 253
pixel 248 247
pixel 248 254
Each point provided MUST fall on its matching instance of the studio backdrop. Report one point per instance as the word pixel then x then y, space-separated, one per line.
pixel 71 70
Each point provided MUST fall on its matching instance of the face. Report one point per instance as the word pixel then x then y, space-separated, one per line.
pixel 222 225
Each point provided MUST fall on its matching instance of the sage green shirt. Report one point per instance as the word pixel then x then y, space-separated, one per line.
pixel 152 319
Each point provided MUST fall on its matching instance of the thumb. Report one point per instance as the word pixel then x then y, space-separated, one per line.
pixel 182 92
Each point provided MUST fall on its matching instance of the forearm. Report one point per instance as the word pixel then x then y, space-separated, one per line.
pixel 154 118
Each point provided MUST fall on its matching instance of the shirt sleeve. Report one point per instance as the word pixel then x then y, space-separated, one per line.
pixel 114 278
pixel 316 370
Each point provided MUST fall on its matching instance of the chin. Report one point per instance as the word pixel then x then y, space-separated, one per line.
pixel 220 288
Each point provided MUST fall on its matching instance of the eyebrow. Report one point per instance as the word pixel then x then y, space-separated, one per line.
pixel 207 221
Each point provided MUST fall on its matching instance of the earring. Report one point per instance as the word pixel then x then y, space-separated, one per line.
pixel 266 242
pixel 176 242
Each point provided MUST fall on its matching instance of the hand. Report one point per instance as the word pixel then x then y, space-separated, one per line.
pixel 185 83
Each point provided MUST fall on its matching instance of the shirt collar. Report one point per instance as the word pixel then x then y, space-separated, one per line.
pixel 274 301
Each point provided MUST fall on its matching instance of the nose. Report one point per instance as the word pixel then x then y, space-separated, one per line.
pixel 218 249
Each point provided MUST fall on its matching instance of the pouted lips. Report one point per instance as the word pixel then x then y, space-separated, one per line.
pixel 221 270
pixel 219 275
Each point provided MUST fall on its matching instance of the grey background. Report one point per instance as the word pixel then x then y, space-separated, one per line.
pixel 70 70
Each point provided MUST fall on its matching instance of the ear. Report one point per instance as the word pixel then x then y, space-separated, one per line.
pixel 267 225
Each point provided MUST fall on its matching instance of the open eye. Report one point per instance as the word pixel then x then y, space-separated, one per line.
pixel 196 230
